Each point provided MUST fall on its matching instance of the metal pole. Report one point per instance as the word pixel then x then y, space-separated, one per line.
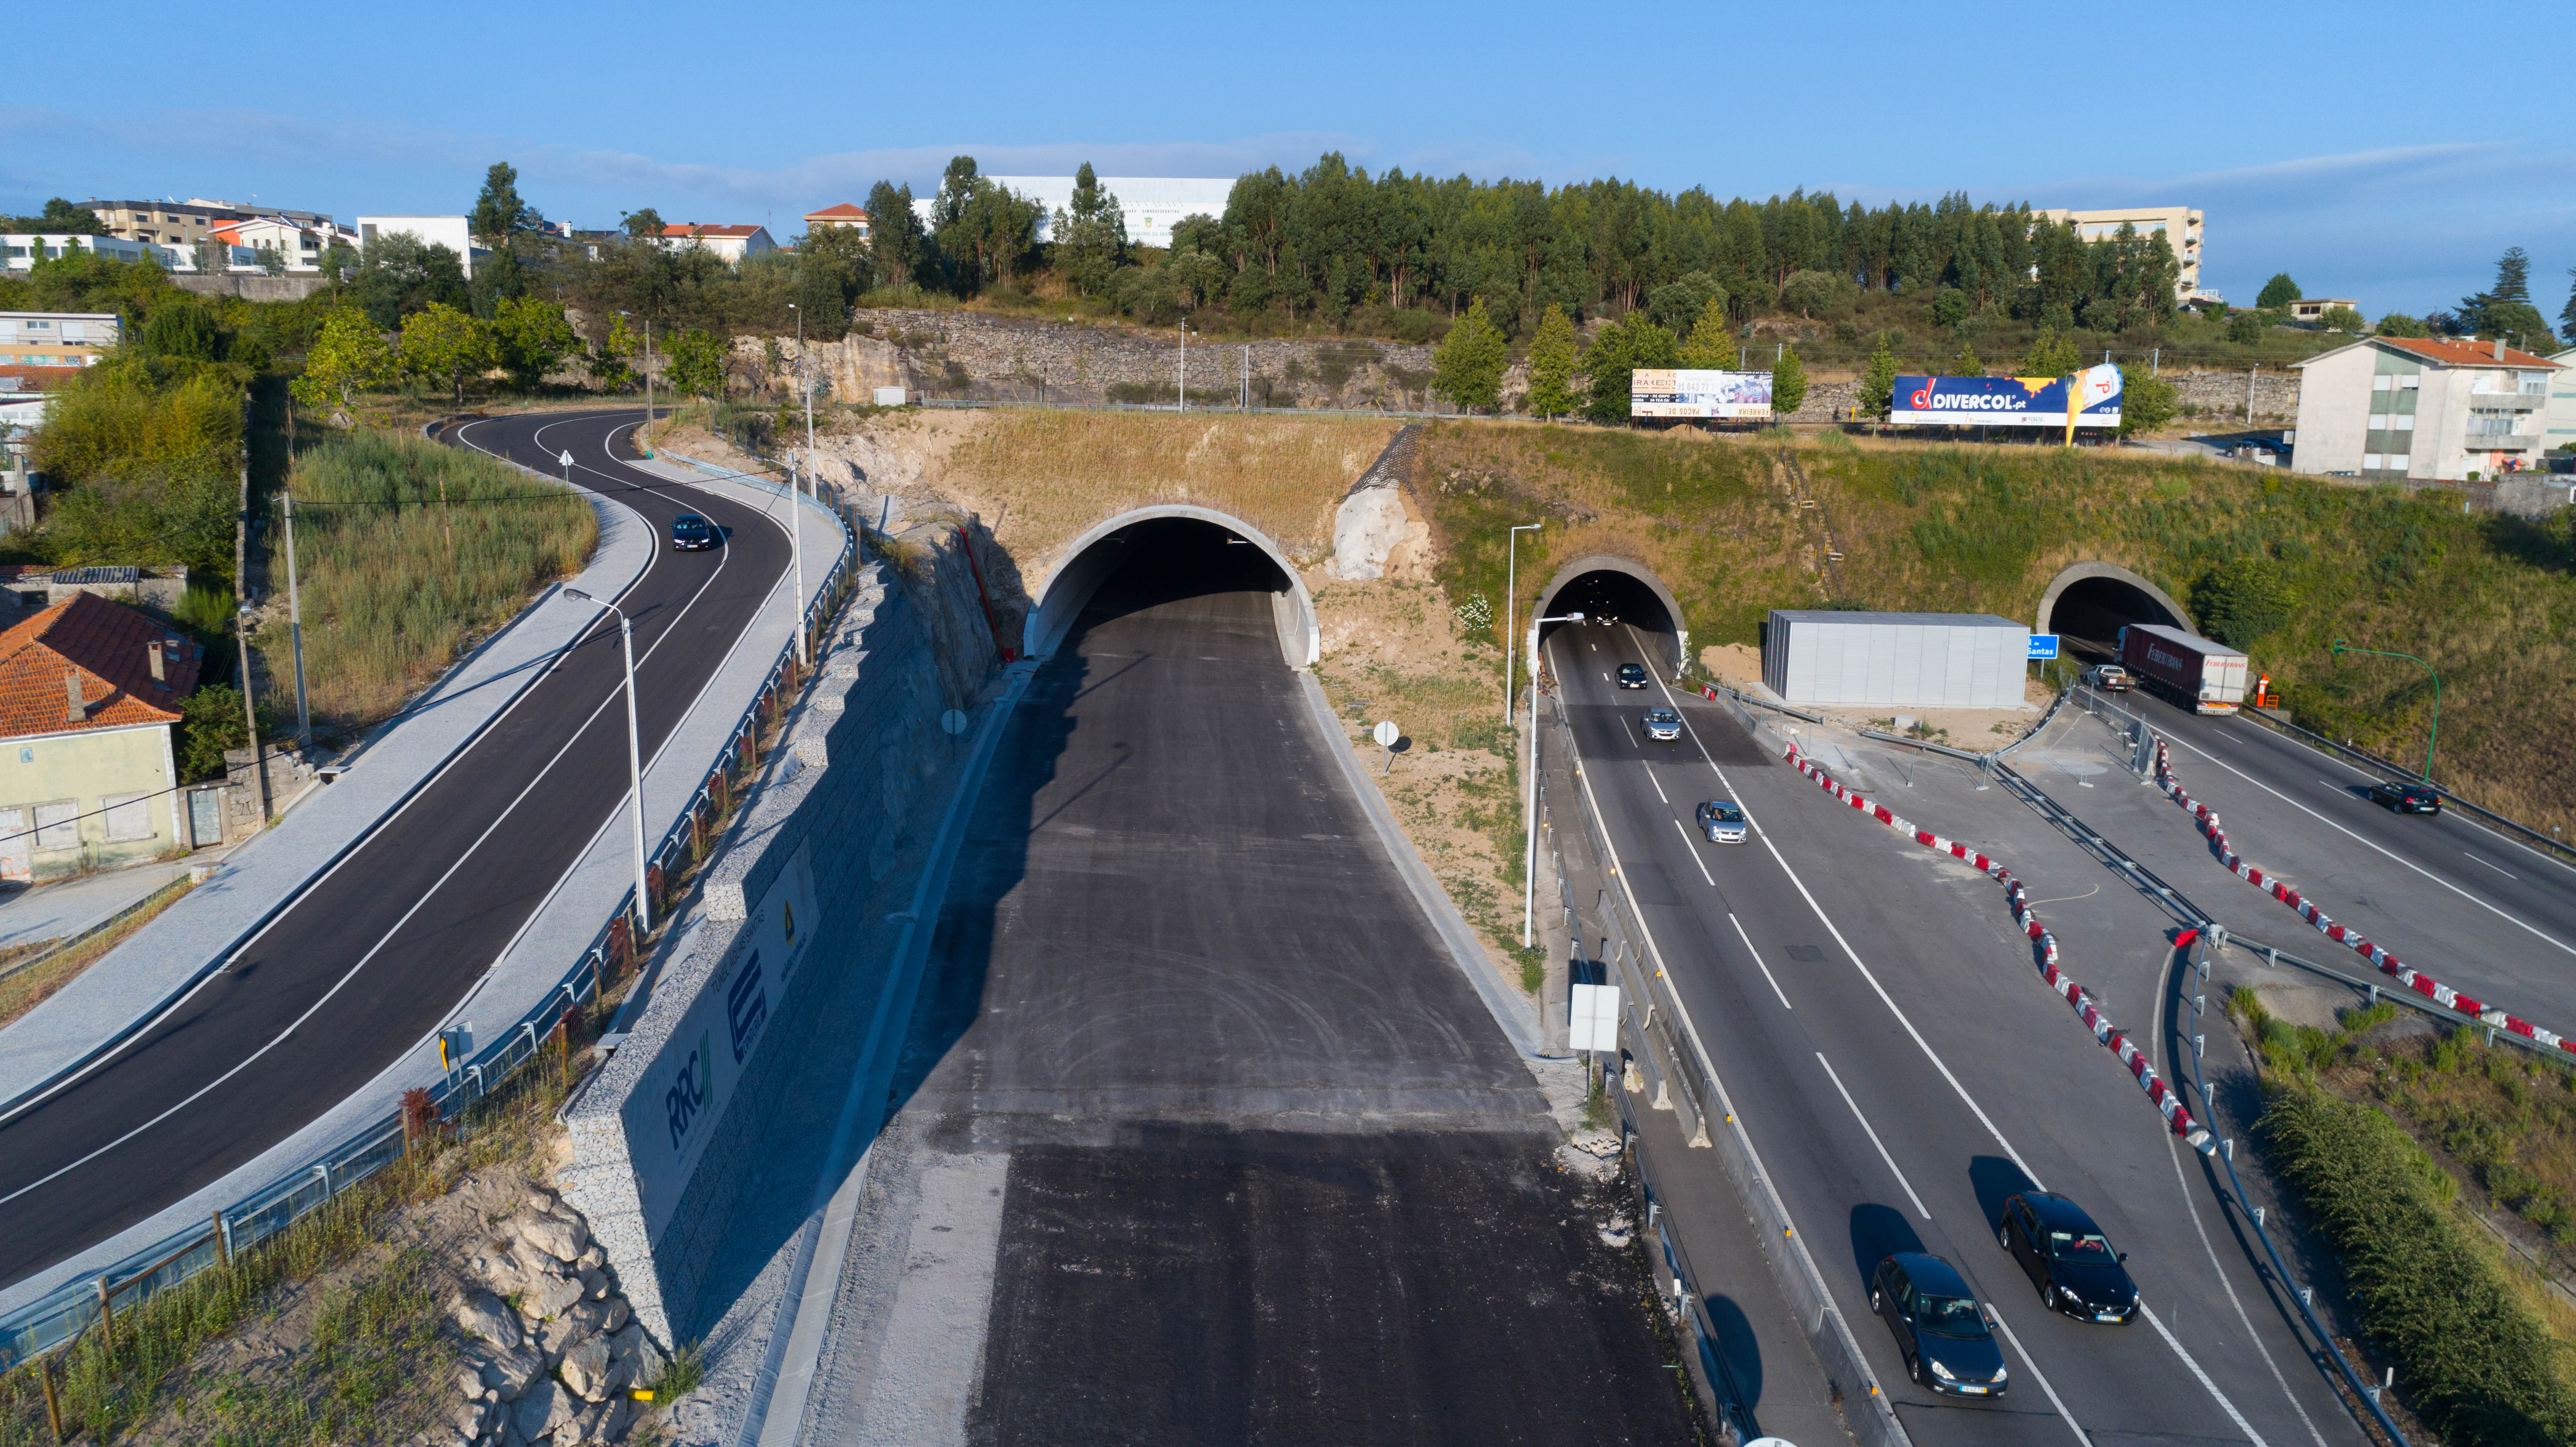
pixel 250 710
pixel 2434 736
pixel 648 386
pixel 1529 850
pixel 634 757
pixel 1511 582
pixel 295 626
pixel 1185 364
pixel 795 495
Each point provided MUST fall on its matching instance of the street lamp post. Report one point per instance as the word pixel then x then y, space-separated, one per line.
pixel 2434 735
pixel 634 756
pixel 1185 365
pixel 648 382
pixel 1511 578
pixel 795 494
pixel 295 629
pixel 1529 854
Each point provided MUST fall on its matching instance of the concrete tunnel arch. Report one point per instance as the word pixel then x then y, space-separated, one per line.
pixel 2094 589
pixel 1079 567
pixel 1629 567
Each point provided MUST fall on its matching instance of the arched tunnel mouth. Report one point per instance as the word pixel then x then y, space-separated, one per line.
pixel 2090 613
pixel 1166 561
pixel 1607 595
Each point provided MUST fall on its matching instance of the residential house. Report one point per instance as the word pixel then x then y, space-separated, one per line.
pixel 448 231
pixel 57 339
pixel 185 223
pixel 732 243
pixel 844 214
pixel 2422 408
pixel 36 587
pixel 90 692
pixel 1149 204
pixel 299 248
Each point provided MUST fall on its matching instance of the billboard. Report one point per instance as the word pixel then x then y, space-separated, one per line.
pixel 1666 392
pixel 2007 401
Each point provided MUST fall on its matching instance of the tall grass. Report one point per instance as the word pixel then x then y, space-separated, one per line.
pixel 395 581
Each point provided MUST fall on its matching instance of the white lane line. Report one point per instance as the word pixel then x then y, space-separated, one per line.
pixel 2037 1375
pixel 1632 736
pixel 1757 960
pixel 1659 790
pixel 1693 851
pixel 2232 1414
pixel 2338 828
pixel 1919 1208
pixel 2498 868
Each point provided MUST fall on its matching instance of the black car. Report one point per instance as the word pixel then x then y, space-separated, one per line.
pixel 1942 1335
pixel 2067 1257
pixel 2405 796
pixel 1631 676
pixel 691 532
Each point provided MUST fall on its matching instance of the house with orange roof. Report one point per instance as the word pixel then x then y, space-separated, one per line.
pixel 733 243
pixel 90 693
pixel 844 214
pixel 2424 409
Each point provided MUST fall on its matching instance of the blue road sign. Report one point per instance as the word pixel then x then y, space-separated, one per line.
pixel 2043 645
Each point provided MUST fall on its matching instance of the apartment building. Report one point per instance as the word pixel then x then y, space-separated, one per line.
pixel 2180 226
pixel 2560 416
pixel 21 250
pixel 2425 409
pixel 451 232
pixel 185 223
pixel 56 339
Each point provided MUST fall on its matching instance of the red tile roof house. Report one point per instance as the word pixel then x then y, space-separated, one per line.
pixel 733 243
pixel 844 214
pixel 89 693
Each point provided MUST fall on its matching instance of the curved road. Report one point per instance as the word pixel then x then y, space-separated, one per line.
pixel 368 960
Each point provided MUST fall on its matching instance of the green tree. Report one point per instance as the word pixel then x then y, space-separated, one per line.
pixel 498 213
pixel 695 362
pixel 1810 292
pixel 1877 390
pixel 61 217
pixel 1711 346
pixel 1788 384
pixel 210 721
pixel 349 355
pixel 1090 235
pixel 1965 362
pixel 608 362
pixel 445 345
pixel 2505 309
pixel 2567 313
pixel 1619 349
pixel 1676 305
pixel 642 225
pixel 2398 324
pixel 529 338
pixel 2246 328
pixel 895 234
pixel 2051 355
pixel 2341 319
pixel 1468 366
pixel 2147 402
pixel 182 332
pixel 2279 292
pixel 1551 362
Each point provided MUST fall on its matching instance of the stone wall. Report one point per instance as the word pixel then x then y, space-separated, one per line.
pixel 252 288
pixel 2220 396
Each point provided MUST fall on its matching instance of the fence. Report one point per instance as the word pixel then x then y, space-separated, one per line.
pixel 64 1313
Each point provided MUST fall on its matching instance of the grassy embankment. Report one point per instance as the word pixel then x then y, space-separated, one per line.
pixel 398 577
pixel 2490 601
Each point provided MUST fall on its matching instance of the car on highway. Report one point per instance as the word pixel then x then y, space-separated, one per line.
pixel 1632 676
pixel 2405 796
pixel 2068 1258
pixel 2110 678
pixel 691 533
pixel 1939 1329
pixel 1721 821
pixel 1663 724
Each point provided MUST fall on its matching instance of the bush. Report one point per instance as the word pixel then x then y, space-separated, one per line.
pixel 2483 1369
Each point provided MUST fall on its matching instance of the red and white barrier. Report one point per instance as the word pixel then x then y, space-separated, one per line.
pixel 2168 1102
pixel 2434 990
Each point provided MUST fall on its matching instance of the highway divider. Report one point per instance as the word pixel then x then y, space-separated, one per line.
pixel 2168 1102
pixel 62 1314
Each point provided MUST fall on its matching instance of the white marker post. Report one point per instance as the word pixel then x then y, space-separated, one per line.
pixel 1386 734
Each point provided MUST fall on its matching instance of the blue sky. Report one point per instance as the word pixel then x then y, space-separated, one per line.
pixel 2324 140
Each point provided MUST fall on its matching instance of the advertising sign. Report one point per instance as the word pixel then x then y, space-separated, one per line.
pixel 1666 392
pixel 672 1116
pixel 2007 401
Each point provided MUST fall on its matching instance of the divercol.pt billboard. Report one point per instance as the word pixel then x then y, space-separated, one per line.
pixel 676 1109
pixel 1689 392
pixel 2007 401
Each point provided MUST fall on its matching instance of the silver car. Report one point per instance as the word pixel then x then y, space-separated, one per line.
pixel 1663 724
pixel 1721 821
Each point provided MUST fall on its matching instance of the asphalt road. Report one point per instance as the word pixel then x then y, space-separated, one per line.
pixel 364 965
pixel 1204 1136
pixel 1902 1069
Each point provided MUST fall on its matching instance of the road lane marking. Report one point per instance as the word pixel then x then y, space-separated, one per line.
pixel 1660 794
pixel 1919 1208
pixel 1757 960
pixel 1632 736
pixel 1694 854
pixel 2038 1376
pixel 2233 1415
pixel 2338 828
pixel 2498 868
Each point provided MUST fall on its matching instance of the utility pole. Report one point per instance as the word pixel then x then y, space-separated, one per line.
pixel 295 628
pixel 1185 364
pixel 2249 392
pixel 1246 401
pixel 795 493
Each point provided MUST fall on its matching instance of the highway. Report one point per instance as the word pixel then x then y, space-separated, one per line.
pixel 365 964
pixel 1901 1069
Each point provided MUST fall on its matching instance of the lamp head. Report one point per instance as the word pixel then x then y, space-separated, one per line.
pixel 579 596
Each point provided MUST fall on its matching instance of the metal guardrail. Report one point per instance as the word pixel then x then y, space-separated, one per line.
pixel 2557 847
pixel 61 1315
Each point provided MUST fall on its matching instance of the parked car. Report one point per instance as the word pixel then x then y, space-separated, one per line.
pixel 1663 724
pixel 692 533
pixel 2110 678
pixel 2405 796
pixel 2068 1258
pixel 1632 675
pixel 1940 1331
pixel 1721 821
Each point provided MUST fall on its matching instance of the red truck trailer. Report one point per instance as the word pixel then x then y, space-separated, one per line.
pixel 2195 672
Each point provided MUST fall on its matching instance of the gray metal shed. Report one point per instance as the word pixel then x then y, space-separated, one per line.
pixel 1921 660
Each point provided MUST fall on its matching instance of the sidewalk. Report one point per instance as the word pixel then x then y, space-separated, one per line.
pixel 68 907
pixel 551 943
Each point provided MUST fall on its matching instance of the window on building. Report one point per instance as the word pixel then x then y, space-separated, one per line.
pixel 2373 462
pixel 129 817
pixel 2410 383
pixel 58 824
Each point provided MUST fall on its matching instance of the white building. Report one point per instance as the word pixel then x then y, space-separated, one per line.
pixel 447 231
pixel 2180 226
pixel 732 243
pixel 2430 409
pixel 845 214
pixel 1151 203
pixel 23 249
pixel 2560 423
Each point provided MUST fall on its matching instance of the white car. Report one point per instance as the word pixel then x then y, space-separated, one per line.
pixel 1721 821
pixel 1663 725
pixel 2109 677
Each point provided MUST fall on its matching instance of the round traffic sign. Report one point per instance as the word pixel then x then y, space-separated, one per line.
pixel 1385 734
pixel 954 721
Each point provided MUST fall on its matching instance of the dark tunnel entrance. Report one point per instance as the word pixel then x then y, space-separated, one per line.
pixel 1620 594
pixel 1169 555
pixel 2089 612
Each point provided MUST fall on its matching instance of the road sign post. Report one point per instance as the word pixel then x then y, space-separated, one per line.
pixel 1385 733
